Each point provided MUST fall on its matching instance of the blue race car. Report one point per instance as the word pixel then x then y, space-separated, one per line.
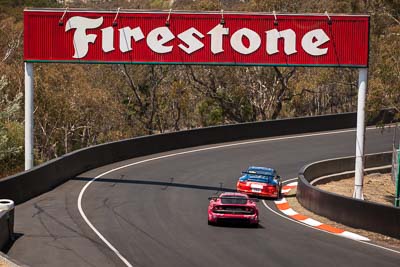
pixel 260 181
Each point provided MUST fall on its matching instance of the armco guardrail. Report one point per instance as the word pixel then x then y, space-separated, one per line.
pixel 356 213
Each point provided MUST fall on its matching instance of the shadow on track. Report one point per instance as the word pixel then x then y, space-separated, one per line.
pixel 237 225
pixel 159 183
pixel 8 246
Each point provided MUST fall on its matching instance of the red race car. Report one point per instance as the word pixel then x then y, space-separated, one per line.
pixel 233 208
pixel 260 181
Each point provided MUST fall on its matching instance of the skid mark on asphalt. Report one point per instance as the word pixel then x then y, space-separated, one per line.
pixel 235 144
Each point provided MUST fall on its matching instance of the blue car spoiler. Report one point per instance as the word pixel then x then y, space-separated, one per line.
pixel 257 173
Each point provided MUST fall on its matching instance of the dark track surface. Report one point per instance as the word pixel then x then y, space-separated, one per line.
pixel 155 213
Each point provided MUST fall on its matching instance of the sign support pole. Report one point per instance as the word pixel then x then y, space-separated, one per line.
pixel 28 115
pixel 360 139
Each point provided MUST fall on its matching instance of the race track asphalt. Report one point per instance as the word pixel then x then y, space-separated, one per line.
pixel 155 213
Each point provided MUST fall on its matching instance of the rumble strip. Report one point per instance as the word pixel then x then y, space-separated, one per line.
pixel 284 207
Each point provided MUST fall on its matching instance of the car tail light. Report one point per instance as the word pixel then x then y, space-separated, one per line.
pixel 270 188
pixel 249 209
pixel 242 185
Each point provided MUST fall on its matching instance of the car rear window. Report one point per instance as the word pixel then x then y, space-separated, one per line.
pixel 233 200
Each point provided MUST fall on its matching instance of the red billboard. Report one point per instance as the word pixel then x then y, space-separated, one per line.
pixel 150 37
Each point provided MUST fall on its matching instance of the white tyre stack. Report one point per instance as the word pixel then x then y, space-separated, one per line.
pixel 6 204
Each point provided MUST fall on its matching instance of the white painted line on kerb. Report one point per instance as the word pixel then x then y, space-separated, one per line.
pixel 289 212
pixel 311 222
pixel 281 201
pixel 293 184
pixel 117 253
pixel 306 225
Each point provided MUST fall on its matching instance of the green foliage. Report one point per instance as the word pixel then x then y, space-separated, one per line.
pixel 159 4
pixel 11 131
pixel 71 113
pixel 210 113
pixel 13 7
pixel 40 3
pixel 82 105
pixel 31 3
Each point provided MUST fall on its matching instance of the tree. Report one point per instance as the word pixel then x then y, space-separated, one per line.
pixel 220 86
pixel 81 105
pixel 11 131
pixel 71 112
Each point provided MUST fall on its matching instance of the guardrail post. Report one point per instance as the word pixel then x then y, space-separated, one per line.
pixel 28 115
pixel 360 139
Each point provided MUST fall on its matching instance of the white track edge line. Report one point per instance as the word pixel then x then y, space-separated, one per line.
pixel 183 153
pixel 119 255
pixel 298 222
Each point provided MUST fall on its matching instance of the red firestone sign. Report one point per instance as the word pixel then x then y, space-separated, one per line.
pixel 136 37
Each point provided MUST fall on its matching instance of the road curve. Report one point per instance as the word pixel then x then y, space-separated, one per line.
pixel 154 211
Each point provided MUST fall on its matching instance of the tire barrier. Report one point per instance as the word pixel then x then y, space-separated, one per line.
pixel 352 212
pixel 6 204
pixel 6 221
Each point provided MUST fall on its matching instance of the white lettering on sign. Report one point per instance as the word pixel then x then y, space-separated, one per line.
pixel 81 39
pixel 193 44
pixel 125 38
pixel 108 39
pixel 158 38
pixel 311 46
pixel 237 41
pixel 289 37
pixel 216 38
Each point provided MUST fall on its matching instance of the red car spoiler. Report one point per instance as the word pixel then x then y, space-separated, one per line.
pixel 251 199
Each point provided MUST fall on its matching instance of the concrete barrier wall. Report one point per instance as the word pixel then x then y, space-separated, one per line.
pixel 356 213
pixel 26 185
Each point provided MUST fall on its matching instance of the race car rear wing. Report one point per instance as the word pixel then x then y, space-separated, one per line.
pixel 261 174
pixel 238 198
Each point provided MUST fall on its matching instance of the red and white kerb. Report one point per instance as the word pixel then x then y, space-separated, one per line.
pixel 285 208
